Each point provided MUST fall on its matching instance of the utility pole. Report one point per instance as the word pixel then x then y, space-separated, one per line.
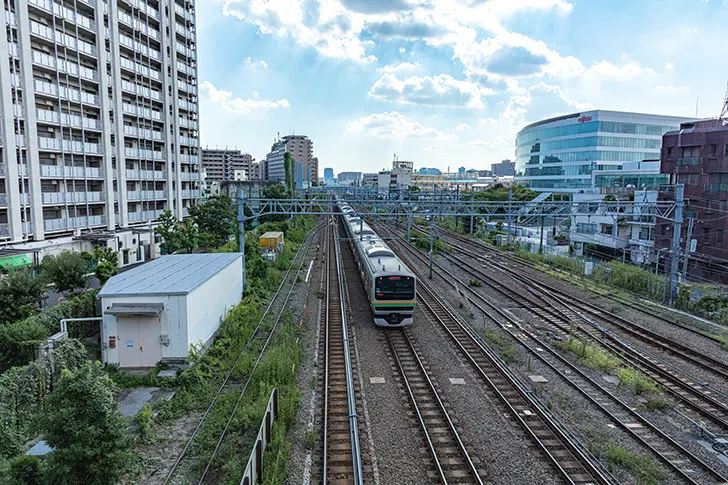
pixel 688 243
pixel 540 246
pixel 432 223
pixel 677 230
pixel 241 227
pixel 510 213
pixel 409 227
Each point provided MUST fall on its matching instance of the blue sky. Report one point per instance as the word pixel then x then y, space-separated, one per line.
pixel 445 83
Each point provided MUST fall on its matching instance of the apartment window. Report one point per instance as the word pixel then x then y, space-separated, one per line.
pixel 726 150
pixel 688 152
pixel 586 228
pixel 669 151
pixel 713 149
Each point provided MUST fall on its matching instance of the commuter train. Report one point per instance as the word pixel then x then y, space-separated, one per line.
pixel 390 285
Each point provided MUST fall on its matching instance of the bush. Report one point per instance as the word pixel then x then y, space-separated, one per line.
pixel 20 291
pixel 639 382
pixel 589 355
pixel 66 270
pixel 86 431
pixel 25 470
pixel 19 340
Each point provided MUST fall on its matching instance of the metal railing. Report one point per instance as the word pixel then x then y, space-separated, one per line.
pixel 254 469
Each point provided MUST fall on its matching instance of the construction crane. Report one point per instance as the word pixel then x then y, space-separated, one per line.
pixel 723 118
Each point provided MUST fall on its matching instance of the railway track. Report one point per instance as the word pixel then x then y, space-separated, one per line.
pixel 686 465
pixel 453 464
pixel 567 455
pixel 259 335
pixel 341 453
pixel 564 317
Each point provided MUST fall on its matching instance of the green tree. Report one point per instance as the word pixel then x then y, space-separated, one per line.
pixel 25 470
pixel 20 291
pixel 167 228
pixel 86 431
pixel 288 170
pixel 188 235
pixel 216 220
pixel 106 263
pixel 66 270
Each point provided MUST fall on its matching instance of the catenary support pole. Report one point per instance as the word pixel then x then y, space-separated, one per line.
pixel 691 221
pixel 241 228
pixel 677 232
pixel 540 244
pixel 432 223
pixel 510 214
pixel 409 227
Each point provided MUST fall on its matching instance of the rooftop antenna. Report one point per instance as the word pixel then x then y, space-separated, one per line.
pixel 723 118
pixel 697 102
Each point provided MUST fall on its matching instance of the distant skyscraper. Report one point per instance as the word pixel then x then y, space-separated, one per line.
pixel 328 175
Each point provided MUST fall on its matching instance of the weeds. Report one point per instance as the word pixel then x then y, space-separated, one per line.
pixel 506 350
pixel 143 420
pixel 643 466
pixel 476 283
pixel 638 382
pixel 311 439
pixel 589 355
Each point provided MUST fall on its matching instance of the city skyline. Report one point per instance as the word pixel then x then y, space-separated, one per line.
pixel 440 83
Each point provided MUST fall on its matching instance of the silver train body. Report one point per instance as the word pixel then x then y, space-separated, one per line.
pixel 391 287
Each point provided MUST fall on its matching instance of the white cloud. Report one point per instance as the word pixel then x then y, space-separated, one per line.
pixel 256 64
pixel 402 50
pixel 540 101
pixel 225 100
pixel 391 125
pixel 669 66
pixel 463 127
pixel 487 121
pixel 669 89
pixel 399 68
pixel 434 148
pixel 498 141
pixel 440 90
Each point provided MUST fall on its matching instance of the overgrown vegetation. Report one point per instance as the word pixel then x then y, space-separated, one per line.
pixel 593 357
pixel 422 241
pixel 66 270
pixel 20 291
pixel 643 467
pixel 503 345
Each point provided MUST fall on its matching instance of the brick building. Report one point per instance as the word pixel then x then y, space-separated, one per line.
pixel 697 156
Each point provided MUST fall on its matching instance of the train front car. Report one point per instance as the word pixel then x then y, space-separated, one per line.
pixel 392 288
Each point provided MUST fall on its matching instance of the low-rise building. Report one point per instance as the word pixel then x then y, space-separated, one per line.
pixel 370 180
pixel 506 168
pixel 158 311
pixel 349 178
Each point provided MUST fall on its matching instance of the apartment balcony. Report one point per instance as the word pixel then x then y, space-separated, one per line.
pixel 190 194
pixel 185 212
pixel 147 134
pixel 189 176
pixel 142 154
pixel 63 171
pixel 141 112
pixel 150 11
pixel 62 38
pixel 188 140
pixel 11 19
pixel 186 51
pixel 184 31
pixel 184 13
pixel 137 25
pixel 137 46
pixel 3 200
pixel 67 119
pixel 186 105
pixel 4 229
pixel 146 174
pixel 688 162
pixel 70 94
pixel 66 13
pixel 144 215
pixel 188 123
pixel 146 195
pixel 56 225
pixel 63 65
pixel 72 197
pixel 186 87
pixel 143 91
pixel 58 145
pixel 193 159
pixel 134 67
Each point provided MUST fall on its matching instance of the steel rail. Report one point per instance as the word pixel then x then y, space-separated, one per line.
pixel 407 342
pixel 451 278
pixel 184 451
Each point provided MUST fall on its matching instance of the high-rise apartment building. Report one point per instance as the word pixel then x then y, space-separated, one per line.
pixel 328 175
pixel 99 115
pixel 301 150
pixel 222 164
pixel 506 168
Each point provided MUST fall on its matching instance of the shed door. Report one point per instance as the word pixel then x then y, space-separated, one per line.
pixel 139 344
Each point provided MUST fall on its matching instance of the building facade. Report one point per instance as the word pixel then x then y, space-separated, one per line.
pixel 328 176
pixel 506 168
pixel 429 171
pixel 369 180
pixel 697 157
pixel 613 215
pixel 301 150
pixel 349 178
pixel 100 115
pixel 560 154
pixel 222 164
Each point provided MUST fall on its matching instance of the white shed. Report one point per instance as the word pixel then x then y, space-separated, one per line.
pixel 156 311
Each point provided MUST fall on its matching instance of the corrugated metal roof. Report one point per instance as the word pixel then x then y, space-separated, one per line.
pixel 271 235
pixel 176 274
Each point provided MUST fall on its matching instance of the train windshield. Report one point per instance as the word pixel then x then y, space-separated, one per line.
pixel 394 288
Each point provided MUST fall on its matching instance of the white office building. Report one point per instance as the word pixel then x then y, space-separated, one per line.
pixel 99 115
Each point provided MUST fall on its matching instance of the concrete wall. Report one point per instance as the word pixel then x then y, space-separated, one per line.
pixel 211 302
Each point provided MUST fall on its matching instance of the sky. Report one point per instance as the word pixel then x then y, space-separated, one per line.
pixel 445 83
